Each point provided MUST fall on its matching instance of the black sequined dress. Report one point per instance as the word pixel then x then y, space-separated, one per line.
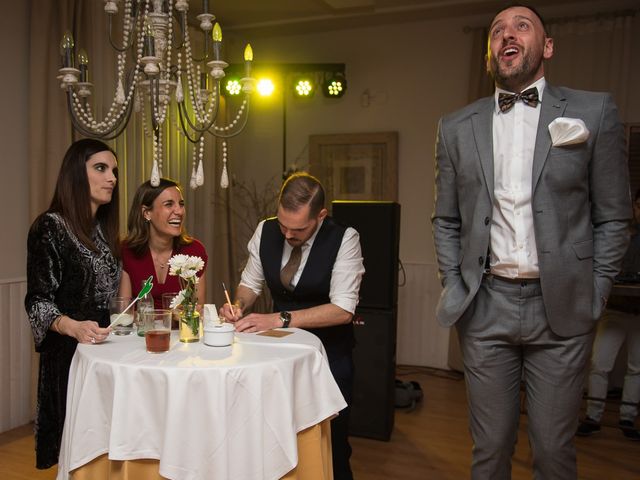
pixel 63 277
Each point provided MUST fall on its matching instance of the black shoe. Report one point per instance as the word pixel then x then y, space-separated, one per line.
pixel 588 427
pixel 629 430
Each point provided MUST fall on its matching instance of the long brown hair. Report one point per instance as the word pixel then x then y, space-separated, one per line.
pixel 72 197
pixel 138 228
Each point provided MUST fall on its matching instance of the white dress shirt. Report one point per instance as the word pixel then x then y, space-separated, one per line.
pixel 513 243
pixel 346 275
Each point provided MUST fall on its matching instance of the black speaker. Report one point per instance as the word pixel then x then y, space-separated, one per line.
pixel 374 358
pixel 378 224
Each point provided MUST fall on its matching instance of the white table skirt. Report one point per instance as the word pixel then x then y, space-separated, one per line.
pixel 203 412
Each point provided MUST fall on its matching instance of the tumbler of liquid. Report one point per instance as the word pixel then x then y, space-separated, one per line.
pixel 157 334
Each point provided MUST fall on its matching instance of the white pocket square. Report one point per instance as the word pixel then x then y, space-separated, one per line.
pixel 568 131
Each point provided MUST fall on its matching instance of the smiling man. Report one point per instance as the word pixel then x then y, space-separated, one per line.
pixel 313 268
pixel 530 227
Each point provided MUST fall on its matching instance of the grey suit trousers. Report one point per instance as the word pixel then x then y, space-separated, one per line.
pixel 505 340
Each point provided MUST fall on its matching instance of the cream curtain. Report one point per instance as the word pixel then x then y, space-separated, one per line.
pixel 593 52
pixel 480 82
pixel 596 53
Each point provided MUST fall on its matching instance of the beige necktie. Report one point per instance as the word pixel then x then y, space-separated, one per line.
pixel 289 270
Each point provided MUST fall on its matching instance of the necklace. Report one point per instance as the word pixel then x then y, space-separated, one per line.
pixel 160 263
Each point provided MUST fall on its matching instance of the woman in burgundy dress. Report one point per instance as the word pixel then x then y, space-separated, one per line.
pixel 156 233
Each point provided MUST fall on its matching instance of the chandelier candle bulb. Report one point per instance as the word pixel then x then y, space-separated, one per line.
pixel 248 58
pixel 216 34
pixel 66 50
pixel 149 43
pixel 83 62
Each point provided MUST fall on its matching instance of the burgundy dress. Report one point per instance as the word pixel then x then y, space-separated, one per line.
pixel 139 269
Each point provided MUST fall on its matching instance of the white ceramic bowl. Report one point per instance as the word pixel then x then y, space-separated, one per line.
pixel 219 335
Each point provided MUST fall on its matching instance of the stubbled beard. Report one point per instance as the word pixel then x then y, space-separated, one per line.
pixel 520 76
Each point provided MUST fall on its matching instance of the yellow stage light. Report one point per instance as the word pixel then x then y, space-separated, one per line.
pixel 265 87
pixel 304 88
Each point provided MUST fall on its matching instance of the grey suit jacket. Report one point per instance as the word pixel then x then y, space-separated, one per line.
pixel 580 200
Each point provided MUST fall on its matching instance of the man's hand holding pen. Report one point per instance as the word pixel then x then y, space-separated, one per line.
pixel 231 312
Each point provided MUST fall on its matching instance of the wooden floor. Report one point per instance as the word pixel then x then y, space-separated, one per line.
pixel 430 442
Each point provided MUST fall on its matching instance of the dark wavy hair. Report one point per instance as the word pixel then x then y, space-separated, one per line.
pixel 302 189
pixel 138 228
pixel 72 197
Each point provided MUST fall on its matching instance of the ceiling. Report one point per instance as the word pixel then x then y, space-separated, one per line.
pixel 287 17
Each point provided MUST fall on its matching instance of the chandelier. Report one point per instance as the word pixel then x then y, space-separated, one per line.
pixel 155 64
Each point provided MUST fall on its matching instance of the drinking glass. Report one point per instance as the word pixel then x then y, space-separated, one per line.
pixel 175 312
pixel 117 305
pixel 157 330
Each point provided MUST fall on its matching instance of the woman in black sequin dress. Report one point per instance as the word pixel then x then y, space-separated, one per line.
pixel 73 270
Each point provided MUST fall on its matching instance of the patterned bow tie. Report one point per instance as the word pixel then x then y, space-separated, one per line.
pixel 528 97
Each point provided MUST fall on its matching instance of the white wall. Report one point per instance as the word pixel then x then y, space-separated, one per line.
pixel 16 340
pixel 14 31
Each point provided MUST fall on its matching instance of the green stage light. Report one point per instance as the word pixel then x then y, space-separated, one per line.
pixel 232 86
pixel 304 88
pixel 335 86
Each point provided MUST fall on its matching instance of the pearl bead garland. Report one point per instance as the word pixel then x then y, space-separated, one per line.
pixel 204 109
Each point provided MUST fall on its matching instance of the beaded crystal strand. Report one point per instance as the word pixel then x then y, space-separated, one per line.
pixel 197 174
pixel 224 178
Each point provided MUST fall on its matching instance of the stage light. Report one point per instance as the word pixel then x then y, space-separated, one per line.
pixel 303 87
pixel 265 87
pixel 232 86
pixel 335 86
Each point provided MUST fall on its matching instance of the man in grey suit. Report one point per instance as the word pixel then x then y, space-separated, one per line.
pixel 530 226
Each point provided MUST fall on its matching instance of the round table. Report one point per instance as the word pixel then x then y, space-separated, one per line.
pixel 203 412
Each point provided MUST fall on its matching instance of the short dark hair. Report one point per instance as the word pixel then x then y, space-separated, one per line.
pixel 302 189
pixel 72 196
pixel 523 5
pixel 138 228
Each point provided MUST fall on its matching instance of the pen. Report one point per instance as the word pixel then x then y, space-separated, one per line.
pixel 226 294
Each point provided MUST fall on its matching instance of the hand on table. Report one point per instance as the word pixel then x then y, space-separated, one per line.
pixel 258 322
pixel 86 331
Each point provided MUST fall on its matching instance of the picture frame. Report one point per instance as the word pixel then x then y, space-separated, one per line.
pixel 356 166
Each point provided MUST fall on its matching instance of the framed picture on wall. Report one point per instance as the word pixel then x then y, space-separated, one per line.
pixel 356 166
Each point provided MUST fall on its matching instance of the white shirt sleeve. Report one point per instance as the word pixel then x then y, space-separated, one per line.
pixel 347 272
pixel 346 275
pixel 253 275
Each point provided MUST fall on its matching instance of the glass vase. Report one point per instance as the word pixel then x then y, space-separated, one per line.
pixel 189 323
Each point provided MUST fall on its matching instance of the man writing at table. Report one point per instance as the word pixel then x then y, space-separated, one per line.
pixel 313 268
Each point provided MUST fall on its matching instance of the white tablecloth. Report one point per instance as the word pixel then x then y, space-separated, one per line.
pixel 203 412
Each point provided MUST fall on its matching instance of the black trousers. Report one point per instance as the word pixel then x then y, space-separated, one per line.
pixel 341 365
